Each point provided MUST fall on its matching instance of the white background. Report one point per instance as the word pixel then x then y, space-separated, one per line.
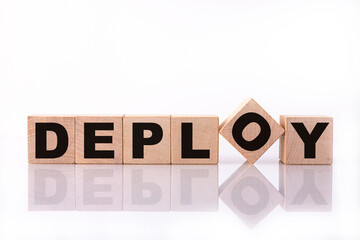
pixel 79 57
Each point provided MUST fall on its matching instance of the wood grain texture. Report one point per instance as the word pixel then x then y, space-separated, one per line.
pixel 153 154
pixel 205 136
pixel 68 122
pixel 292 147
pixel 251 131
pixel 116 135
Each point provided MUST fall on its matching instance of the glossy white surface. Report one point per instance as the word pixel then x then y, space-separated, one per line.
pixel 175 57
pixel 232 200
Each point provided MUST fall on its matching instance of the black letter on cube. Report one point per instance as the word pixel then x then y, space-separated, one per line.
pixel 310 139
pixel 90 139
pixel 260 140
pixel 139 141
pixel 187 150
pixel 40 140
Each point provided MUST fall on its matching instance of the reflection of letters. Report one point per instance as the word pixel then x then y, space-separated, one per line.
pixel 90 187
pixel 258 199
pixel 146 188
pixel 47 177
pixel 194 187
pixel 187 176
pixel 51 187
pixel 144 193
pixel 249 194
pixel 306 187
pixel 309 189
pixel 98 187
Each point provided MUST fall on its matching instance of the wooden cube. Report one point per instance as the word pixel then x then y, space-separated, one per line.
pixel 194 139
pixel 99 139
pixel 251 130
pixel 307 140
pixel 306 187
pixel 146 139
pixel 249 194
pixel 51 139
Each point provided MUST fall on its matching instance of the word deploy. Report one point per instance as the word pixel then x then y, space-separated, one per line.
pixel 178 139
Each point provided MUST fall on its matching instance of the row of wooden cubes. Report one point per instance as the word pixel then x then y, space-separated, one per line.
pixel 178 139
pixel 128 139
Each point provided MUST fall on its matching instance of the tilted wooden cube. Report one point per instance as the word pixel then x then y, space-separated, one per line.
pixel 251 130
pixel 194 139
pixel 51 139
pixel 99 139
pixel 146 139
pixel 307 140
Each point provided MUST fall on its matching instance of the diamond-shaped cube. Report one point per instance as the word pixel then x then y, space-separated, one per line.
pixel 251 130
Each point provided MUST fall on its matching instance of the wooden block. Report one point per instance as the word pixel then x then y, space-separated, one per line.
pixel 146 139
pixel 194 188
pixel 99 139
pixel 99 187
pixel 194 139
pixel 251 130
pixel 307 140
pixel 146 188
pixel 51 187
pixel 51 139
pixel 249 194
pixel 306 187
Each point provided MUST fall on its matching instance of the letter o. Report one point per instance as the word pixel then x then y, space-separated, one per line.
pixel 240 125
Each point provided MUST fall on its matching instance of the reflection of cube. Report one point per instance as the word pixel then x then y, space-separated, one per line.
pixel 194 188
pixel 51 187
pixel 306 187
pixel 249 194
pixel 99 139
pixel 146 188
pixel 98 187
pixel 194 139
pixel 51 139
pixel 151 143
pixel 251 130
pixel 307 140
